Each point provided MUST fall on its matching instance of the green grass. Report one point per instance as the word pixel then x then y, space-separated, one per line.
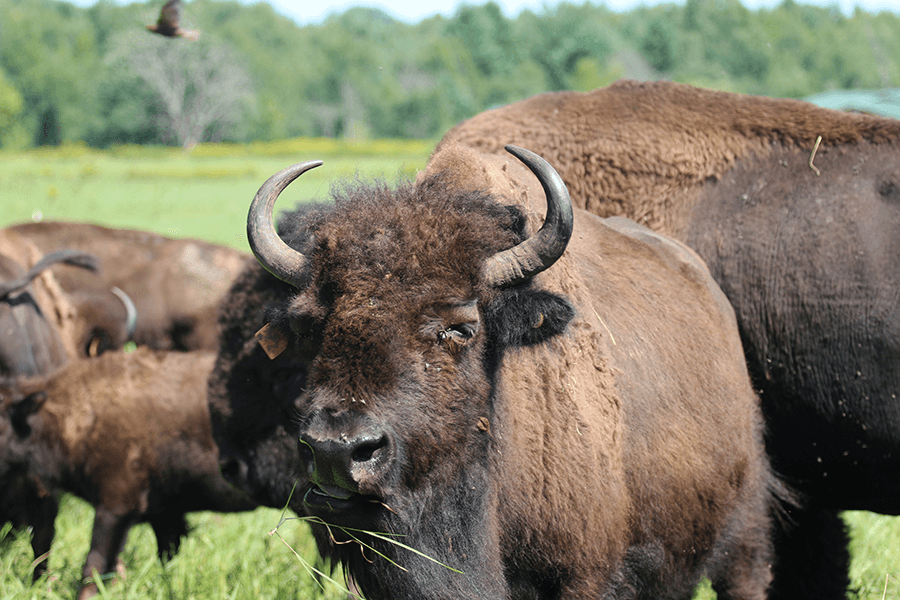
pixel 205 194
pixel 230 556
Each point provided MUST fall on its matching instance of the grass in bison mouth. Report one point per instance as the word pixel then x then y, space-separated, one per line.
pixel 348 535
pixel 335 499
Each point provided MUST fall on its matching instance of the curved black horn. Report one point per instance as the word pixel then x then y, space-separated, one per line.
pixel 273 254
pixel 544 248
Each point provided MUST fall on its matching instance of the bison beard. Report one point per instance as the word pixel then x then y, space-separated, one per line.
pixel 531 429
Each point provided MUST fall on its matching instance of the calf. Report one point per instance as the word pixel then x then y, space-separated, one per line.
pixel 129 433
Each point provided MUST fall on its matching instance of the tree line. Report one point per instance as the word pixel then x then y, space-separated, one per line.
pixel 95 75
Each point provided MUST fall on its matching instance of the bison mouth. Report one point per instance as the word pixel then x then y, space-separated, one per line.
pixel 334 499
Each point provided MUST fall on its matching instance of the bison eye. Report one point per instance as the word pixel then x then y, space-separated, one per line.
pixel 460 333
pixel 455 323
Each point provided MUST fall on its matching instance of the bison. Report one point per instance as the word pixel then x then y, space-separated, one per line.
pixel 175 283
pixel 556 410
pixel 41 326
pixel 796 211
pixel 127 432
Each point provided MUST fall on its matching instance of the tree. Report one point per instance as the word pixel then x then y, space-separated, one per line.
pixel 201 91
pixel 10 107
pixel 657 45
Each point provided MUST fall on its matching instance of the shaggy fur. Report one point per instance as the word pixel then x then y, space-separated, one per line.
pixel 37 321
pixel 578 435
pixel 175 284
pixel 41 328
pixel 808 258
pixel 43 325
pixel 130 434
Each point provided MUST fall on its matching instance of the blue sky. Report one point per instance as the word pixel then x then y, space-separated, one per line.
pixel 306 11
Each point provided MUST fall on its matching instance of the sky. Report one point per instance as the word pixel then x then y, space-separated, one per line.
pixel 412 11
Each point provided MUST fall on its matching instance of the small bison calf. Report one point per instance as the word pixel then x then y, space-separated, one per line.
pixel 129 433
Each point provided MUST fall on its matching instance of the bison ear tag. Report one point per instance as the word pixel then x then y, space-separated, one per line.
pixel 272 339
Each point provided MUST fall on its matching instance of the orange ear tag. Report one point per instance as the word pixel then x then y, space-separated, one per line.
pixel 272 339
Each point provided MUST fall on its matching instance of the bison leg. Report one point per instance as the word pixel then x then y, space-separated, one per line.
pixel 44 529
pixel 747 574
pixel 740 567
pixel 107 539
pixel 813 557
pixel 169 529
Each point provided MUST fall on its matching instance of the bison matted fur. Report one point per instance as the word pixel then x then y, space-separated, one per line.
pixel 796 211
pixel 590 432
pixel 127 432
pixel 176 284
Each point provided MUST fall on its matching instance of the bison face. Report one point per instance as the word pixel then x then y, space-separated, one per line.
pixel 396 407
pixel 403 303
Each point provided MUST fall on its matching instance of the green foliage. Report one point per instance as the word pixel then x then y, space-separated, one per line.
pixel 658 44
pixel 10 108
pixel 361 74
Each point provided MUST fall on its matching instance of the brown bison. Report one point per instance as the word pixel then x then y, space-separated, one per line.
pixel 42 326
pixel 129 433
pixel 176 284
pixel 796 211
pixel 539 417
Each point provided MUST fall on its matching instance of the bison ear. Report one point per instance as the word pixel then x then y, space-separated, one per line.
pixel 20 410
pixel 524 316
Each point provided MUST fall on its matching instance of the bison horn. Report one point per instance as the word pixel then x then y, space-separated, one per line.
pixel 273 254
pixel 131 315
pixel 74 258
pixel 541 250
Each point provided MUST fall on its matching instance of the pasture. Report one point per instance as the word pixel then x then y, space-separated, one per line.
pixel 205 194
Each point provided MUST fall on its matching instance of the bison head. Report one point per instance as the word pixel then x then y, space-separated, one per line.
pixel 390 315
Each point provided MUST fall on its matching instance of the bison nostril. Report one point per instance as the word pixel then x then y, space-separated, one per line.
pixel 366 450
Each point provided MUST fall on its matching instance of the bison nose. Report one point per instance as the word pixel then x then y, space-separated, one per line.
pixel 345 463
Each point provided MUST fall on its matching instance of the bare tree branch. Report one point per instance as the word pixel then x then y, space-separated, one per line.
pixel 202 91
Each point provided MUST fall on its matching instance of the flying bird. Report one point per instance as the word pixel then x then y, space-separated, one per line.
pixel 168 22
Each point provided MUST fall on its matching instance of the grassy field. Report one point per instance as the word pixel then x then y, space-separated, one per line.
pixel 205 194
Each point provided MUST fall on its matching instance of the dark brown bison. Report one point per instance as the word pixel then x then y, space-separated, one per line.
pixel 27 505
pixel 545 418
pixel 796 211
pixel 129 433
pixel 176 284
pixel 41 329
pixel 42 326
